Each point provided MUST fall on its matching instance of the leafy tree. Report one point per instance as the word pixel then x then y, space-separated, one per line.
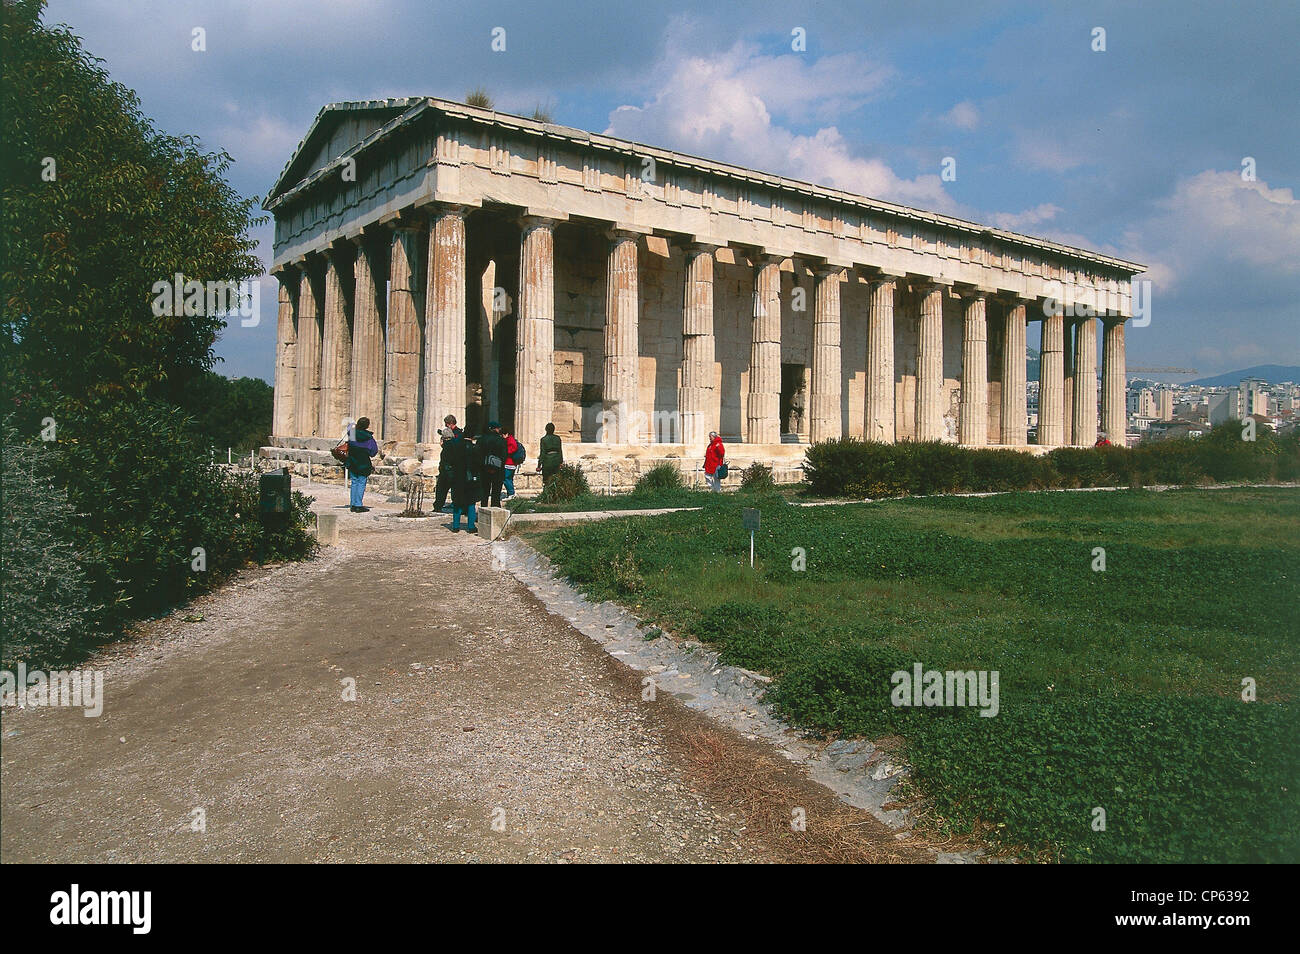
pixel 229 412
pixel 117 513
pixel 98 206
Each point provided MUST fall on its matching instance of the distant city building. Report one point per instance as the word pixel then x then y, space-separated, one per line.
pixel 1165 404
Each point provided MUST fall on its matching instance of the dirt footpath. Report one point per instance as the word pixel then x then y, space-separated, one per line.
pixel 483 729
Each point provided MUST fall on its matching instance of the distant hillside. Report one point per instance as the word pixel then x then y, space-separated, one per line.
pixel 1272 373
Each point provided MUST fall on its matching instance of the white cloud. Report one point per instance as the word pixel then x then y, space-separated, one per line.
pixel 1019 221
pixel 723 107
pixel 1215 219
pixel 964 116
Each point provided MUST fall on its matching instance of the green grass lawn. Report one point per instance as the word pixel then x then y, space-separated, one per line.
pixel 1119 690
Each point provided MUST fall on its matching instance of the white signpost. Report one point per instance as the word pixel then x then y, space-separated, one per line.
pixel 751 519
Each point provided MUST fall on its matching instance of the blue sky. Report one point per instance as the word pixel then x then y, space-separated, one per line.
pixel 1136 150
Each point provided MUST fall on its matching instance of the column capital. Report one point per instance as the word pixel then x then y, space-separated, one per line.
pixel 826 269
pixel 532 218
pixel 974 292
pixel 460 208
pixel 407 219
pixel 711 242
pixel 619 233
pixel 929 282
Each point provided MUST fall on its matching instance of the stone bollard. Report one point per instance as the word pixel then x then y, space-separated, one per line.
pixel 492 521
pixel 327 529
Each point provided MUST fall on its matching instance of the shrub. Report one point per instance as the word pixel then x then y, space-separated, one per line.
pixel 569 482
pixel 853 468
pixel 757 479
pixel 50 608
pixel 147 521
pixel 660 477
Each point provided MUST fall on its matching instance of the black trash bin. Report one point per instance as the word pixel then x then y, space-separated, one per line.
pixel 275 502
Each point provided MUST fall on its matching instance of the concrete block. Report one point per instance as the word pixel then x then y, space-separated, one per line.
pixel 327 529
pixel 492 521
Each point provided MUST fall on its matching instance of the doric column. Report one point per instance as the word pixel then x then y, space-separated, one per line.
pixel 535 339
pixel 1067 389
pixel 307 405
pixel 929 365
pixel 1051 382
pixel 1114 399
pixel 444 323
pixel 1085 384
pixel 973 425
pixel 368 336
pixel 283 417
pixel 824 404
pixel 695 399
pixel 405 336
pixel 879 419
pixel 620 423
pixel 763 412
pixel 1013 374
pixel 336 343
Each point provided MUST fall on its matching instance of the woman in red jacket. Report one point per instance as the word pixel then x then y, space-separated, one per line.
pixel 715 467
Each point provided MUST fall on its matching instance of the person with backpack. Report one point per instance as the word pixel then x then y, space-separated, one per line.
pixel 361 449
pixel 515 456
pixel 492 464
pixel 552 451
pixel 715 462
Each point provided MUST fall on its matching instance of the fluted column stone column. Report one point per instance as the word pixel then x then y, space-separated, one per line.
pixel 368 336
pixel 1085 384
pixel 763 410
pixel 621 393
pixel 1013 374
pixel 336 342
pixel 879 419
pixel 444 325
pixel 1067 388
pixel 929 365
pixel 1051 382
pixel 973 423
pixel 695 398
pixel 404 340
pixel 307 405
pixel 283 415
pixel 535 339
pixel 825 421
pixel 1114 381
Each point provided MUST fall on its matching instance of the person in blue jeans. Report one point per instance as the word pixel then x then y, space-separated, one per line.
pixel 361 449
pixel 462 461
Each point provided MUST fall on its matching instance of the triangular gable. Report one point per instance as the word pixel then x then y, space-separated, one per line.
pixel 336 129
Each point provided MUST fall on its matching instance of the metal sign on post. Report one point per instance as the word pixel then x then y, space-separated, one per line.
pixel 751 519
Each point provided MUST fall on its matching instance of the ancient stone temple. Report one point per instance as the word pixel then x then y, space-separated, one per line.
pixel 436 258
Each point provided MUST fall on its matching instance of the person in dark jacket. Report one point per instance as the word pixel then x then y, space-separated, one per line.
pixel 361 449
pixel 442 486
pixel 550 456
pixel 461 458
pixel 492 460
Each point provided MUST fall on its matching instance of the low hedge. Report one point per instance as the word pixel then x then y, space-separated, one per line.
pixel 853 468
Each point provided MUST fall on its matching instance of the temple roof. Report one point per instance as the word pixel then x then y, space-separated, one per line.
pixel 376 120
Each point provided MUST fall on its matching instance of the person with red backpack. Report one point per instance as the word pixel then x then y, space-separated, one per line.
pixel 515 455
pixel 715 462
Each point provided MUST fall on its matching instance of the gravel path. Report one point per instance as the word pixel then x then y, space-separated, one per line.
pixel 484 729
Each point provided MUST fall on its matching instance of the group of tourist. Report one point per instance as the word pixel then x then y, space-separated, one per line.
pixel 472 471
